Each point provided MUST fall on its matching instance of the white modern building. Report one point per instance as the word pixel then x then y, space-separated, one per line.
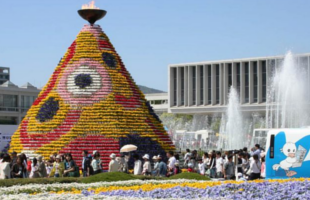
pixel 15 101
pixel 159 102
pixel 203 87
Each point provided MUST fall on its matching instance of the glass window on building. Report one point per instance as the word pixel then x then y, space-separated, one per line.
pixel 174 74
pixel 255 82
pixel 264 81
pixel 8 120
pixel 201 85
pixel 194 84
pixel 209 84
pixel 182 87
pixel 229 66
pixel 217 83
pixel 27 101
pixel 246 82
pixel 8 101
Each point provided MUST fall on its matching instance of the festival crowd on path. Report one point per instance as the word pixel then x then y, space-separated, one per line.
pixel 240 165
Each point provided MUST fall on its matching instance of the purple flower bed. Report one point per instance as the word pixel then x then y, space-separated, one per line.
pixel 265 190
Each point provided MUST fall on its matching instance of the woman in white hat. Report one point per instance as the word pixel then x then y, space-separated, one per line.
pixel 58 168
pixel 113 165
pixel 155 170
pixel 147 165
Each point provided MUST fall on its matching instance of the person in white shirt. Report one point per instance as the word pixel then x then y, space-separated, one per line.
pixel 113 165
pixel 171 161
pixel 5 170
pixel 137 170
pixel 147 165
pixel 156 166
pixel 201 167
pixel 206 159
pixel 255 168
pixel 187 156
pixel 219 165
pixel 34 169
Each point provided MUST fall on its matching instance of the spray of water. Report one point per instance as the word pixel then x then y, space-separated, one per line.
pixel 232 135
pixel 287 96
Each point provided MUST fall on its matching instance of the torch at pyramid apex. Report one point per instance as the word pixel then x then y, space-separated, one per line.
pixel 91 13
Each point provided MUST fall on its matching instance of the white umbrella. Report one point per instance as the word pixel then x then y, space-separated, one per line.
pixel 129 148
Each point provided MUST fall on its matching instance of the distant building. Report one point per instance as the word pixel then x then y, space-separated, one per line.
pixel 203 87
pixel 159 102
pixel 15 101
pixel 4 74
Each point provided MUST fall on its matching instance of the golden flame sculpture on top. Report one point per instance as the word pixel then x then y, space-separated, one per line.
pixel 91 13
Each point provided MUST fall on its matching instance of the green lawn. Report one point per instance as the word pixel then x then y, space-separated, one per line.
pixel 108 177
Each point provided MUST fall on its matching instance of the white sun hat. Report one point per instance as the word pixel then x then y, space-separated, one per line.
pixel 146 156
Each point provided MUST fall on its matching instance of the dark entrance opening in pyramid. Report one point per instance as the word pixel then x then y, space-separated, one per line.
pixel 90 103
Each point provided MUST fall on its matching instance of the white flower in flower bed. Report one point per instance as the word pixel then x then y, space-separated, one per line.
pixel 47 196
pixel 42 188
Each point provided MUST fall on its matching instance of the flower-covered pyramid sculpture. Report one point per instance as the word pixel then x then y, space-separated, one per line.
pixel 90 103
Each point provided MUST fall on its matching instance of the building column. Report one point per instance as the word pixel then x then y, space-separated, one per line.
pixel 225 83
pixel 170 87
pixel 242 83
pixel 205 85
pixel 178 86
pixel 222 96
pixel 19 103
pixel 234 75
pixel 190 86
pixel 251 82
pixel 259 81
pixel 197 85
pixel 186 86
pixel 213 85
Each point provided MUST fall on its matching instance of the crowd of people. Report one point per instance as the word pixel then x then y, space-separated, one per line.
pixel 240 165
pixel 20 166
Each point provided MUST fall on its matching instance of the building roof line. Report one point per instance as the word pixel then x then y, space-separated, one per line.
pixel 236 60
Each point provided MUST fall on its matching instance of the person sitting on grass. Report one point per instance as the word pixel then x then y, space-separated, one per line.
pixel 156 163
pixel 113 165
pixel 190 167
pixel 58 168
pixel 147 165
pixel 162 167
pixel 71 169
pixel 177 169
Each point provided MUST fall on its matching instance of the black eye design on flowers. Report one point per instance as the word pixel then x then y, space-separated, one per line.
pixel 109 59
pixel 83 80
pixel 48 110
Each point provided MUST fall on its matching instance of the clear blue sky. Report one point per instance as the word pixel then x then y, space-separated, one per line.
pixel 151 34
